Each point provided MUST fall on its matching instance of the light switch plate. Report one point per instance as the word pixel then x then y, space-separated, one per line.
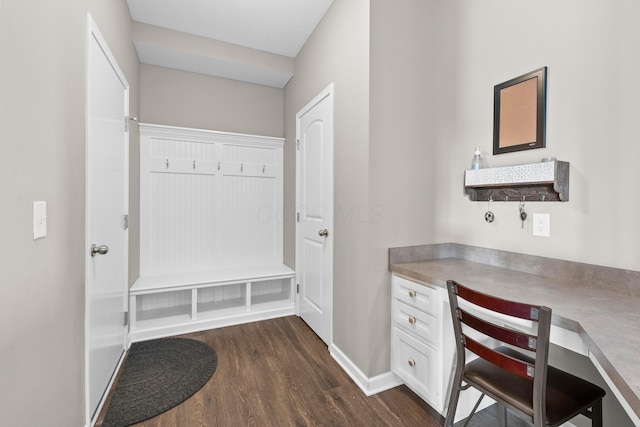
pixel 541 224
pixel 39 220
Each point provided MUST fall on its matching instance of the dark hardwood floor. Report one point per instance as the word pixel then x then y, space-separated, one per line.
pixel 279 373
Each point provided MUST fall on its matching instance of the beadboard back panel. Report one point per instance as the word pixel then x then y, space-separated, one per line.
pixel 182 222
pixel 251 227
pixel 208 200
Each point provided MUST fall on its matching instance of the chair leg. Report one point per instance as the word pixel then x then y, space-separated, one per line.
pixel 596 414
pixel 473 411
pixel 451 411
pixel 453 402
pixel 502 415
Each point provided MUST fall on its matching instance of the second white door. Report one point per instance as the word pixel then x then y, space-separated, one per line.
pixel 314 241
pixel 106 234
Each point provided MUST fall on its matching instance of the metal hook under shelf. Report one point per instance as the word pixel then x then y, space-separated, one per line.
pixel 541 198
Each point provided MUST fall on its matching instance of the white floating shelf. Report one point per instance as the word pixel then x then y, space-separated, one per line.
pixel 544 181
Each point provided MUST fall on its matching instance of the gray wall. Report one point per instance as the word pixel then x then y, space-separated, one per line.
pixel 592 109
pixel 432 68
pixel 338 52
pixel 470 48
pixel 592 112
pixel 180 98
pixel 403 156
pixel 42 131
pixel 387 164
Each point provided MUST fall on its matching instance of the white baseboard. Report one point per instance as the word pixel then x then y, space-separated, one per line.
pixel 369 386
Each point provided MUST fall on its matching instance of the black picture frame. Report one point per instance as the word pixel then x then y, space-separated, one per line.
pixel 519 113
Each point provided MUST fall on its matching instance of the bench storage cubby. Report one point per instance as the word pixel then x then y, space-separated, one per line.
pixel 168 305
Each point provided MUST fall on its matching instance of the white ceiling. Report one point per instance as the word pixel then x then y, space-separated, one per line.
pixel 280 27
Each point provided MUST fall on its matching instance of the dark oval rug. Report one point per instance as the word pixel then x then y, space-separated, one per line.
pixel 157 376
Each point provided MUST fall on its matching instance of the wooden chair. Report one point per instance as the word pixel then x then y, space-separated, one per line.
pixel 544 395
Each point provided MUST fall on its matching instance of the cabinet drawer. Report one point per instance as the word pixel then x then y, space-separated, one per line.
pixel 420 296
pixel 417 364
pixel 422 325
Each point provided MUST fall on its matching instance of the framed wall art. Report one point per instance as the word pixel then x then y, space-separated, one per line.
pixel 519 113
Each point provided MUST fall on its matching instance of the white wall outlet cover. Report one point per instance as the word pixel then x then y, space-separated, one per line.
pixel 542 224
pixel 39 220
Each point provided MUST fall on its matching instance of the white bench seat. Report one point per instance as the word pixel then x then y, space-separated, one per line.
pixel 179 303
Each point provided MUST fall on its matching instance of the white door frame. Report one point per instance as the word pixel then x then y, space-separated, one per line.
pixel 327 92
pixel 92 32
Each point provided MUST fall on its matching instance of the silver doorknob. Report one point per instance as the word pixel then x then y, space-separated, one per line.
pixel 324 232
pixel 100 250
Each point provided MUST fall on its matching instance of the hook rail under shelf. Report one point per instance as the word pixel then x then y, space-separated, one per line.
pixel 554 188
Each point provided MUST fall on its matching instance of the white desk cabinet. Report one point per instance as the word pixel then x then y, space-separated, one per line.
pixel 422 344
pixel 416 343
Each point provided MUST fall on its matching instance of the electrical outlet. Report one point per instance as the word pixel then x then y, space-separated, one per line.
pixel 541 225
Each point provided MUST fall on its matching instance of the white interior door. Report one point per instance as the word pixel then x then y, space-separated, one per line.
pixel 106 206
pixel 314 241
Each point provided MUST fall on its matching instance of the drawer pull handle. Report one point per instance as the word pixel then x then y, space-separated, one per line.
pixel 412 293
pixel 412 320
pixel 412 363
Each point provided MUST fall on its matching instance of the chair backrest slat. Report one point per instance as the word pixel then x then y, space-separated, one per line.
pixel 510 308
pixel 515 366
pixel 506 335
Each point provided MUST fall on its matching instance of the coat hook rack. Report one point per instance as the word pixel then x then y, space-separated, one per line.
pixel 535 182
pixel 535 198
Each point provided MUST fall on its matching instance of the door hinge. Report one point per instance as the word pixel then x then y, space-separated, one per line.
pixel 297 144
pixel 297 216
pixel 125 222
pixel 297 288
pixel 126 318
